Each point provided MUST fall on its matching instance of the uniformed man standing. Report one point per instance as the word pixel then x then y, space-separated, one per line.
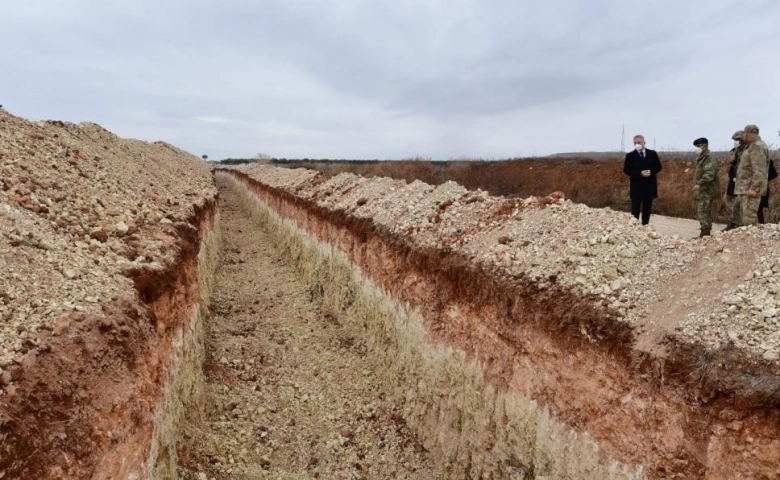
pixel 752 175
pixel 705 185
pixel 730 199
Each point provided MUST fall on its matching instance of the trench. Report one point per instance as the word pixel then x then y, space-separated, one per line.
pixel 494 376
pixel 333 349
pixel 469 426
pixel 292 387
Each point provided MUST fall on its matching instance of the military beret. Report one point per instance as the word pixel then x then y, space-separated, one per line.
pixel 738 135
pixel 751 129
pixel 700 141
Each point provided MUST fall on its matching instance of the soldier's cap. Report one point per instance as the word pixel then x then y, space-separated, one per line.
pixel 751 128
pixel 738 135
pixel 700 141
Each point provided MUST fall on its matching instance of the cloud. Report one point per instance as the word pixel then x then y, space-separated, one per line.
pixel 390 79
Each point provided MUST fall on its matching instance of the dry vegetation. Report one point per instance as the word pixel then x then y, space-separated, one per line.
pixel 556 289
pixel 596 183
pixel 445 397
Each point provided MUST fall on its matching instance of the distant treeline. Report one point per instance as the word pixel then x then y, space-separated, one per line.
pixel 594 156
pixel 297 161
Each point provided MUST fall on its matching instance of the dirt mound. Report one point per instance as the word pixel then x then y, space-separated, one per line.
pixel 596 183
pixel 94 230
pixel 548 280
pixel 599 254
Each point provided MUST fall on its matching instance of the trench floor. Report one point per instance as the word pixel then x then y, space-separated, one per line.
pixel 290 393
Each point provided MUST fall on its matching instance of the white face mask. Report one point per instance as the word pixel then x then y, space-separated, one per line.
pixel 736 143
pixel 698 150
pixel 639 147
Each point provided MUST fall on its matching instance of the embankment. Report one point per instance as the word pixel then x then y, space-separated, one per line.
pixel 510 328
pixel 596 183
pixel 108 262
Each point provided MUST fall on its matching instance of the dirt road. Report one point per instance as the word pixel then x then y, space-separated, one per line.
pixel 683 227
pixel 291 394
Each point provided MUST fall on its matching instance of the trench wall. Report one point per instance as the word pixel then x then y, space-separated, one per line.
pixel 107 252
pixel 111 397
pixel 182 399
pixel 495 377
pixel 472 428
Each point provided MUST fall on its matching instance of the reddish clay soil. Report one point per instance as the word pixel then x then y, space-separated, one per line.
pixel 686 415
pixel 291 394
pixel 82 404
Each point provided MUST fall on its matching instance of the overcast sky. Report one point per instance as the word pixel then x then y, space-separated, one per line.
pixel 396 78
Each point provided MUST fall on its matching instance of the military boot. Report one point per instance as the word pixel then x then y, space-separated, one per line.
pixel 705 232
pixel 730 226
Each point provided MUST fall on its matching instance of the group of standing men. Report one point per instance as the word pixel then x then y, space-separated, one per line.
pixel 747 194
pixel 747 191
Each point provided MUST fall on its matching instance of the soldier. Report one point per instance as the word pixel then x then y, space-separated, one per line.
pixel 764 203
pixel 729 199
pixel 752 175
pixel 706 187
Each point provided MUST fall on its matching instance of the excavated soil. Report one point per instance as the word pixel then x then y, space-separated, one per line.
pixel 291 392
pixel 106 257
pixel 701 410
pixel 363 328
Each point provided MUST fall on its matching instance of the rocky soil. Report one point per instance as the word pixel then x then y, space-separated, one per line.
pixel 623 267
pixel 291 393
pixel 84 214
pixel 79 208
pixel 94 230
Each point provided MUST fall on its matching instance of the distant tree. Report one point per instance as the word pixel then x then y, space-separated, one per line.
pixel 237 161
pixel 204 157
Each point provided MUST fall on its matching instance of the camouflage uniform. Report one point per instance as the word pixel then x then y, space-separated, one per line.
pixel 752 174
pixel 730 198
pixel 706 177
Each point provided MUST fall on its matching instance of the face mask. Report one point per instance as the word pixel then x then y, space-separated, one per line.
pixel 736 143
pixel 698 150
pixel 638 147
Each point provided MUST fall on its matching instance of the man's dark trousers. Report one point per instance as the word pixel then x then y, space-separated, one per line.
pixel 645 205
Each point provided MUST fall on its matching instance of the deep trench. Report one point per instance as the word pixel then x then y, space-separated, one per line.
pixel 471 427
pixel 498 379
pixel 462 374
pixel 291 389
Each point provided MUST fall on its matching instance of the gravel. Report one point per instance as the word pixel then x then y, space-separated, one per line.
pixel 619 265
pixel 79 207
pixel 746 315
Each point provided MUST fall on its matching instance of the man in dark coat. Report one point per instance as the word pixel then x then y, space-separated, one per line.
pixel 642 165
